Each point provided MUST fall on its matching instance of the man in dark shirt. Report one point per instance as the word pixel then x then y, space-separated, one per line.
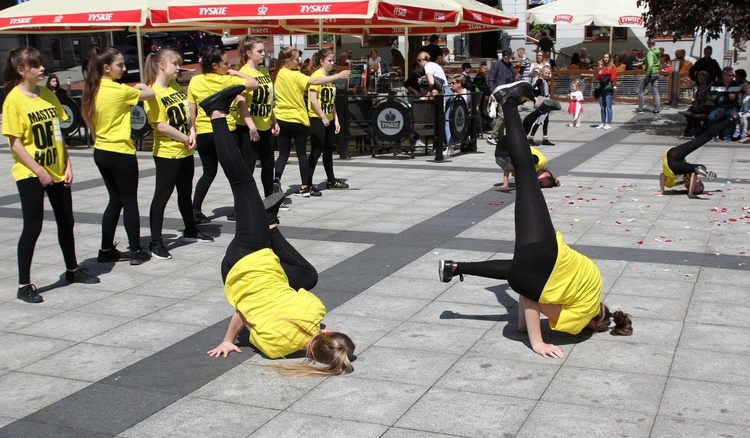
pixel 435 52
pixel 546 45
pixel 707 64
pixel 501 73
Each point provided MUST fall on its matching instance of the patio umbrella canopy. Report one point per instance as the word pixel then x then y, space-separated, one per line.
pixel 612 13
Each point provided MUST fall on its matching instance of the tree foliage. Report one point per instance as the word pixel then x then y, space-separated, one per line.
pixel 698 17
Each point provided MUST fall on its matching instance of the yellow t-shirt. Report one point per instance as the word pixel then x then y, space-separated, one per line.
pixel 259 289
pixel 204 85
pixel 36 122
pixel 326 96
pixel 290 87
pixel 259 102
pixel 542 159
pixel 169 106
pixel 113 102
pixel 576 284
pixel 672 179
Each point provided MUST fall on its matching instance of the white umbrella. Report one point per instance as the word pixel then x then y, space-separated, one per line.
pixel 611 13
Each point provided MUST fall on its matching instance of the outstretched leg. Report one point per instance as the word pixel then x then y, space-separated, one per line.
pixel 676 156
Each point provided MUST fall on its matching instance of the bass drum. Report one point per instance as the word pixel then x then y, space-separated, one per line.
pixel 139 126
pixel 73 111
pixel 459 119
pixel 390 121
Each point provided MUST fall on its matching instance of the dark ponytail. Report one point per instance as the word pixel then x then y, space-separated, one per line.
pixel 94 73
pixel 212 55
pixel 318 57
pixel 601 322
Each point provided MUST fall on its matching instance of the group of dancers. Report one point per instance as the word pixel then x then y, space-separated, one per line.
pixel 267 281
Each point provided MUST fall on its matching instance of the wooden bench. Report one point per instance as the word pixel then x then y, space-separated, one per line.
pixel 696 123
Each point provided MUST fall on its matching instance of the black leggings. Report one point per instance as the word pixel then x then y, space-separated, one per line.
pixel 321 142
pixel 298 132
pixel 535 250
pixel 252 232
pixel 532 127
pixel 32 193
pixel 120 174
pixel 258 150
pixel 207 151
pixel 171 173
pixel 676 156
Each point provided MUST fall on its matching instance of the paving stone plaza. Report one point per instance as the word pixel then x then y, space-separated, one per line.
pixel 127 357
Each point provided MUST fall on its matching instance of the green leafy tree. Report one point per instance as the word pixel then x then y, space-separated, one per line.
pixel 697 17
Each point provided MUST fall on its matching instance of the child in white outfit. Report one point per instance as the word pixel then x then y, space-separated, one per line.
pixel 576 106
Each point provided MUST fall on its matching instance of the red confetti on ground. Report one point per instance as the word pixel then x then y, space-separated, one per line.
pixel 742 252
pixel 715 209
pixel 489 203
pixel 640 242
pixel 733 219
pixel 571 202
pixel 593 199
pixel 617 222
pixel 668 240
pixel 627 230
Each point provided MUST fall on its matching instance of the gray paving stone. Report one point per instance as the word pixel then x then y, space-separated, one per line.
pixel 422 368
pixel 128 305
pixel 550 419
pixel 17 315
pixel 712 313
pixel 24 394
pixel 665 427
pixel 625 355
pixel 17 351
pixel 462 315
pixel 373 305
pixel 581 386
pixel 192 312
pixel 352 398
pixel 467 414
pixel 85 362
pixel 711 366
pixel 432 337
pixel 42 430
pixel 291 425
pixel 499 376
pixel 195 417
pixel 145 335
pixel 395 432
pixel 721 338
pixel 365 331
pixel 74 326
pixel 257 385
pixel 718 402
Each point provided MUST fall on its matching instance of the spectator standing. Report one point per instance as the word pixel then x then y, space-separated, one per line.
pixel 432 49
pixel 545 45
pixel 540 88
pixel 606 75
pixel 480 79
pixel 708 64
pixel 524 65
pixel 465 70
pixel 501 73
pixel 585 59
pixel 650 77
pixel 684 63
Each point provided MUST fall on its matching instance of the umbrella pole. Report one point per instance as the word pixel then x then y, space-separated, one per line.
pixel 320 34
pixel 407 62
pixel 139 42
pixel 611 38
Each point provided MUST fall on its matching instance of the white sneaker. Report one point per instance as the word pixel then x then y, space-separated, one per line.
pixel 607 127
pixel 601 126
pixel 419 143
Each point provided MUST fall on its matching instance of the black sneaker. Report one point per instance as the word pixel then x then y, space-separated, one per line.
pixel 516 91
pixel 546 142
pixel 532 142
pixel 656 111
pixel 230 216
pixel 111 256
pixel 196 236
pixel 283 206
pixel 273 201
pixel 315 192
pixel 200 218
pixel 80 276
pixel 445 271
pixel 139 257
pixel 221 100
pixel 28 293
pixel 159 251
pixel 492 140
pixel 303 193
pixel 337 184
pixel 638 111
pixel 276 186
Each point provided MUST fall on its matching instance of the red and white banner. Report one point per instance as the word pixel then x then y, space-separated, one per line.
pixel 179 11
pixel 114 18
